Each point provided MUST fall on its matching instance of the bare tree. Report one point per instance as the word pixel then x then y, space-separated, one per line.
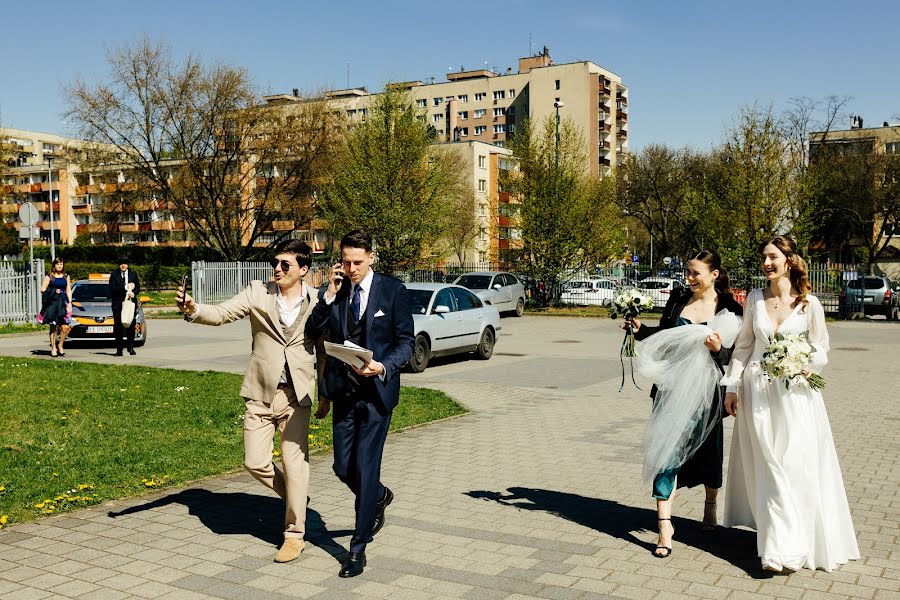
pixel 197 139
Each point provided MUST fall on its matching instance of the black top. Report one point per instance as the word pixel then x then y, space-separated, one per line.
pixel 677 301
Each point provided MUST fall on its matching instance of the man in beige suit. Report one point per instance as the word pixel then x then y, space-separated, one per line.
pixel 280 382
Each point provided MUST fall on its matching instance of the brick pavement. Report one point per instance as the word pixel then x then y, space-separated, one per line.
pixel 536 494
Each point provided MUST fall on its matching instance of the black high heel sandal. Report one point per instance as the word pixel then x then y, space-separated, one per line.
pixel 708 527
pixel 666 548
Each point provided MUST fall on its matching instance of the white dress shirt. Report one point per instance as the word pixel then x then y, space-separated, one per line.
pixel 290 314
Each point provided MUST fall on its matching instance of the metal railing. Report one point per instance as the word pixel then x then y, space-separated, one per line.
pixel 20 298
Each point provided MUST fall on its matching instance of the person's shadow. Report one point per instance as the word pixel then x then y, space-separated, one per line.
pixel 233 513
pixel 737 546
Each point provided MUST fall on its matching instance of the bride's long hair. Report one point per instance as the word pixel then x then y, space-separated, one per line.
pixel 798 272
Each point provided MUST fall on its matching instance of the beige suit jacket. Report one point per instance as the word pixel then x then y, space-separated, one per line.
pixel 270 347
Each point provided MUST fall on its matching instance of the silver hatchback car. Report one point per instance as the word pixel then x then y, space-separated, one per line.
pixel 497 288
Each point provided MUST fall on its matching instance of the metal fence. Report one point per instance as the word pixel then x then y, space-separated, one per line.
pixel 214 282
pixel 20 298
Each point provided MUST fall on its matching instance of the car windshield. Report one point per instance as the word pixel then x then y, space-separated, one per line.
pixel 654 285
pixel 418 300
pixel 872 283
pixel 474 282
pixel 91 292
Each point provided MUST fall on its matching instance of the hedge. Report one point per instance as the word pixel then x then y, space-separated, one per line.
pixel 152 276
pixel 139 255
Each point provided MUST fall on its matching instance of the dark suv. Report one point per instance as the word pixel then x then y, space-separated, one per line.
pixel 872 295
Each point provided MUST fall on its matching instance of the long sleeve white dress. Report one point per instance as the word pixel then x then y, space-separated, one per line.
pixel 784 479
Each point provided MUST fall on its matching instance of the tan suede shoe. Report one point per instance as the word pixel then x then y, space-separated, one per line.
pixel 290 550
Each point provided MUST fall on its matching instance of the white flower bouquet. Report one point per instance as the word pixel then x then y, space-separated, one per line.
pixel 788 358
pixel 629 303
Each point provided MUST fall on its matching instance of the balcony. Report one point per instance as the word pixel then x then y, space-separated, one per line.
pixel 605 162
pixel 605 145
pixel 622 133
pixel 503 221
pixel 623 100
pixel 503 197
pixel 45 225
pixel 35 188
pixel 129 227
pixel 162 225
pixel 91 228
pixel 605 127
pixel 9 208
pixel 622 117
pixel 282 225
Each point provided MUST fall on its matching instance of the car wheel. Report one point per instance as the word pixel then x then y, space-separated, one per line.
pixel 520 307
pixel 421 354
pixel 485 347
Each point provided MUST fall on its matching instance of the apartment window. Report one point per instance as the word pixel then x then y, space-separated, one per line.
pixel 511 111
pixel 499 95
pixel 351 112
pixel 422 103
pixel 463 97
pixel 480 96
pixel 557 84
pixel 892 148
pixel 482 256
pixel 480 113
pixel 482 161
pixel 364 111
pixel 463 115
pixel 437 117
pixel 499 112
pixel 500 144
pixel 512 93
pixel 437 101
pixel 482 185
pixel 480 129
pixel 499 128
pixel 482 210
pixel 463 132
pixel 420 117
pixel 484 235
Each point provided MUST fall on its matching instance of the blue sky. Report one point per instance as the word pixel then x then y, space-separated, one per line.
pixel 689 64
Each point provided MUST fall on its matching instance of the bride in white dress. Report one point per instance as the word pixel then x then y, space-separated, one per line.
pixel 784 479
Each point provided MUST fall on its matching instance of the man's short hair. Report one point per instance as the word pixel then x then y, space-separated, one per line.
pixel 123 259
pixel 299 249
pixel 357 239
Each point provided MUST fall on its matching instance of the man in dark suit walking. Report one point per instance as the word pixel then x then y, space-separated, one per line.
pixel 371 310
pixel 123 285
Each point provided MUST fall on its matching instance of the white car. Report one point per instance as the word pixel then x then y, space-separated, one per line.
pixel 589 292
pixel 449 319
pixel 500 289
pixel 659 288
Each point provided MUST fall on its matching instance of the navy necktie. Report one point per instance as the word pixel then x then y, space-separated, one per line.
pixel 356 303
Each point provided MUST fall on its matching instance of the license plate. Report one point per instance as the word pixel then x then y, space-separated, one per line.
pixel 869 299
pixel 102 329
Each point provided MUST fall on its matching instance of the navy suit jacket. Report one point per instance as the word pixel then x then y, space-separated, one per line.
pixel 390 336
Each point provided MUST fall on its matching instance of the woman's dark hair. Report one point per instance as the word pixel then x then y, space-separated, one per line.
pixel 798 272
pixel 56 261
pixel 299 249
pixel 712 260
pixel 357 239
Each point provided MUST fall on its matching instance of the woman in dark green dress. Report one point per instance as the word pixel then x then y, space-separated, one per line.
pixel 708 294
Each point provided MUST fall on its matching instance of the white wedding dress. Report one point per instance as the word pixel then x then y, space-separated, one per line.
pixel 784 479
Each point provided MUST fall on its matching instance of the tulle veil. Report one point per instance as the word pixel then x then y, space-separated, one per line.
pixel 688 402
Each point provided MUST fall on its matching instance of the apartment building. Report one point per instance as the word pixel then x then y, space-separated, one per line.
pixel 484 106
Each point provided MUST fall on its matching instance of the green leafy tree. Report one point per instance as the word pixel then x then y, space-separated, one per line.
pixel 9 241
pixel 392 181
pixel 568 218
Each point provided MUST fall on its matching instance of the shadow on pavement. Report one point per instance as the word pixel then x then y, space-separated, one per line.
pixel 237 513
pixel 737 546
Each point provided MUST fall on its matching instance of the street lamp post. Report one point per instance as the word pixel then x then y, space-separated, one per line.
pixel 50 206
pixel 557 105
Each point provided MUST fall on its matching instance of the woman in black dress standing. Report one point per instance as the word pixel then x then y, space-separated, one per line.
pixel 708 294
pixel 56 292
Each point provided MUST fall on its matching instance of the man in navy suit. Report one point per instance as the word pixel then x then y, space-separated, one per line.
pixel 371 310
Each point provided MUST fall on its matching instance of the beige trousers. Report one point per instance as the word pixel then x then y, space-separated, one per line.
pixel 291 481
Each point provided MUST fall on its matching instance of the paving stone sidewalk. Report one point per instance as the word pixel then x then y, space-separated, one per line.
pixel 535 494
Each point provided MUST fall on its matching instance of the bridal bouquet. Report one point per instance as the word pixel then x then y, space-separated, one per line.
pixel 629 304
pixel 788 357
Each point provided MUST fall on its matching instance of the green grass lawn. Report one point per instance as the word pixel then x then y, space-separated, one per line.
pixel 21 328
pixel 75 434
pixel 160 297
pixel 569 311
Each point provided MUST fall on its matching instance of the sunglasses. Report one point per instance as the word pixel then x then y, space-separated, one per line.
pixel 285 265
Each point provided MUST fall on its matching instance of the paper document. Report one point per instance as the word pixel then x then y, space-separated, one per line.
pixel 350 353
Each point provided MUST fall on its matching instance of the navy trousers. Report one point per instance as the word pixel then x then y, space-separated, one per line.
pixel 360 427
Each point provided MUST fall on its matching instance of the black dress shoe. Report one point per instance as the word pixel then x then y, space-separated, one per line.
pixel 119 353
pixel 131 351
pixel 354 565
pixel 379 513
